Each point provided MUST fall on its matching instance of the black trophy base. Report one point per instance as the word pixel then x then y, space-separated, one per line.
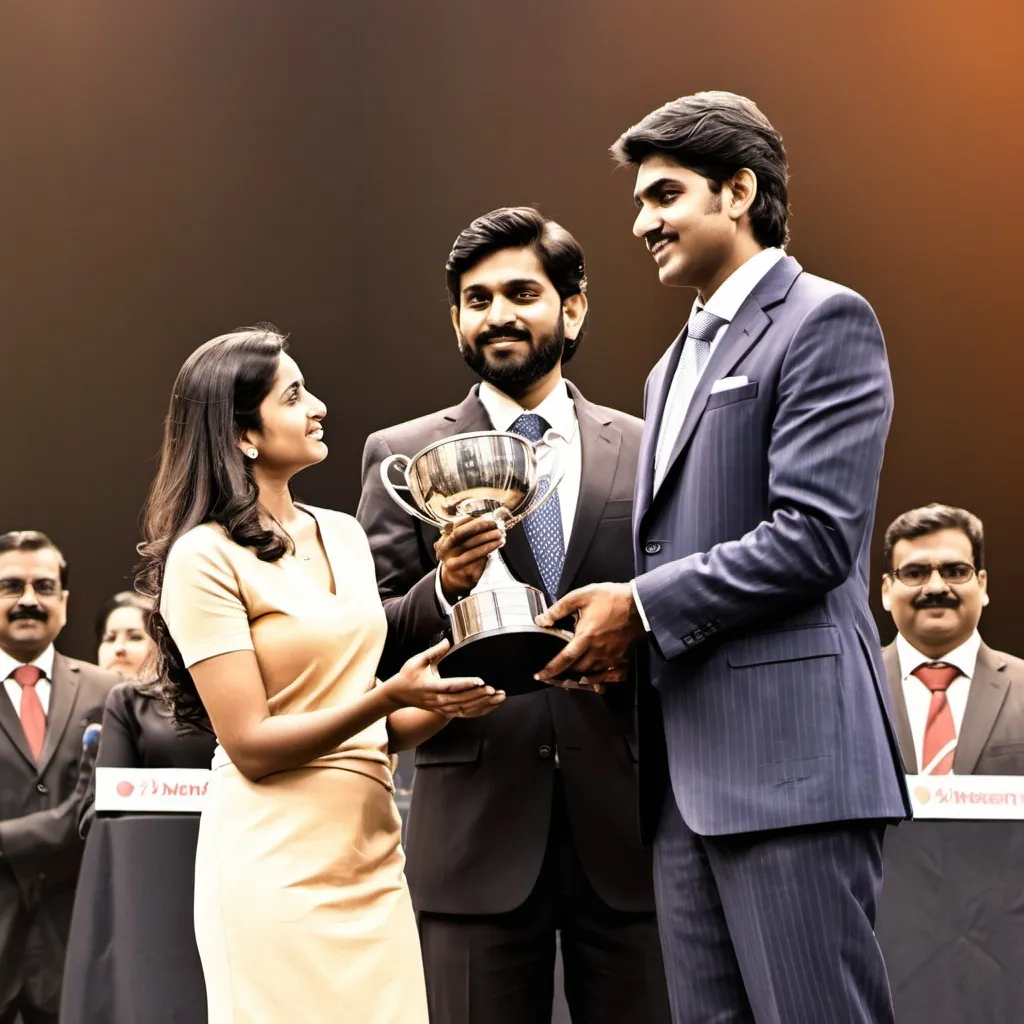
pixel 505 658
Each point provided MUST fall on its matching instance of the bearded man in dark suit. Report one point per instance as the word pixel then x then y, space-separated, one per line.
pixel 523 823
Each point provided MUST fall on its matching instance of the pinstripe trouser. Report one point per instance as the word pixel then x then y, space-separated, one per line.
pixel 771 927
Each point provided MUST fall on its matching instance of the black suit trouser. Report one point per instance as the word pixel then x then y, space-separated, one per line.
pixel 499 968
pixel 24 957
pixel 28 1015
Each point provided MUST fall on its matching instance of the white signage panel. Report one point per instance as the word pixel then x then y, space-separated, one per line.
pixel 967 797
pixel 163 790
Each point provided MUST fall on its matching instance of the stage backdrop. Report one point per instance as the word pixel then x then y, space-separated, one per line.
pixel 175 168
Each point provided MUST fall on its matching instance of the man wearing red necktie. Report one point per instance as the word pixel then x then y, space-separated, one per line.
pixel 46 701
pixel 958 705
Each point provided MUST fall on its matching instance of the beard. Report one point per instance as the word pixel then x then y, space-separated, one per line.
pixel 503 369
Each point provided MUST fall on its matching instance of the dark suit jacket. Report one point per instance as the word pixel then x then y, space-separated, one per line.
pixel 991 740
pixel 753 559
pixel 481 805
pixel 40 849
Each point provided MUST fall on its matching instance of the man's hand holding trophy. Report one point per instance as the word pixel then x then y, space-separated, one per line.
pixel 474 487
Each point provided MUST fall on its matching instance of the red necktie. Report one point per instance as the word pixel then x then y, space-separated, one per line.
pixel 33 717
pixel 939 729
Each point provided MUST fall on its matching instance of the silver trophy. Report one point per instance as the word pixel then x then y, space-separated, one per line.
pixel 487 472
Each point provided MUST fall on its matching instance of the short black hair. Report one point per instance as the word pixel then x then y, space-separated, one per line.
pixel 33 540
pixel 919 522
pixel 521 227
pixel 716 134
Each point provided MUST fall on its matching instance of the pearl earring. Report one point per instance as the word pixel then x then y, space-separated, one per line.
pixel 251 452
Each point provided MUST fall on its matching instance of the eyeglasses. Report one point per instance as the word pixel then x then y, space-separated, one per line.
pixel 11 586
pixel 917 574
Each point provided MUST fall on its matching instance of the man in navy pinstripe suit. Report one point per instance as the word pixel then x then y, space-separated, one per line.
pixel 770 766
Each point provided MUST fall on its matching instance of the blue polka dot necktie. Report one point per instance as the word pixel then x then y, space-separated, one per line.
pixel 544 527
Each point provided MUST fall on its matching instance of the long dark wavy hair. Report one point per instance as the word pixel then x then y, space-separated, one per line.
pixel 203 477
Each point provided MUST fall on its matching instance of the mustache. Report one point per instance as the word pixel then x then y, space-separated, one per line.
pixel 503 333
pixel 652 238
pixel 39 614
pixel 937 601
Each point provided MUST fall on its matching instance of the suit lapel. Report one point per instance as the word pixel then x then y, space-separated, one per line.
pixel 63 695
pixel 746 328
pixel 750 323
pixel 655 399
pixel 600 441
pixel 984 702
pixel 469 416
pixel 11 724
pixel 905 735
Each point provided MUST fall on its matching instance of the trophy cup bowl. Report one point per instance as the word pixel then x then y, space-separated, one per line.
pixel 487 472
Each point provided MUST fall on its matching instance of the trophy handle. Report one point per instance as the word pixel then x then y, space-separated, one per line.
pixel 554 479
pixel 402 462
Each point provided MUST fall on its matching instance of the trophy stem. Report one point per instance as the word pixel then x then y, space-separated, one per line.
pixel 496 575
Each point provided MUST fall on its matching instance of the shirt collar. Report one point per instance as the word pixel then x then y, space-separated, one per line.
pixel 964 657
pixel 44 662
pixel 736 288
pixel 558 408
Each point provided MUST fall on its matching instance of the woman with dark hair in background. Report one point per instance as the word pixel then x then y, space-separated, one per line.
pixel 138 726
pixel 151 971
pixel 270 623
pixel 122 643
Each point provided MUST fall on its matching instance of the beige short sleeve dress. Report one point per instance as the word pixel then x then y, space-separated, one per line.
pixel 302 912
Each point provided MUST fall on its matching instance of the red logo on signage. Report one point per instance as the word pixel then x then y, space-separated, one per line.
pixel 125 788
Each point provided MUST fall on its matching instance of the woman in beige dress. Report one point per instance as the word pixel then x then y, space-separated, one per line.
pixel 270 624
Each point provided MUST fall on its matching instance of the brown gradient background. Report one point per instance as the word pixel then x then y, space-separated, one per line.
pixel 174 168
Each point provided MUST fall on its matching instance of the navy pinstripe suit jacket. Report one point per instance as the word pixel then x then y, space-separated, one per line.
pixel 752 568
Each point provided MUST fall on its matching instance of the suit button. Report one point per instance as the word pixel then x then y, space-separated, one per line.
pixel 652 548
pixel 41 786
pixel 544 751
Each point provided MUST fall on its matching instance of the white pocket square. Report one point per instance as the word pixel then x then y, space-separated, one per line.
pixel 728 383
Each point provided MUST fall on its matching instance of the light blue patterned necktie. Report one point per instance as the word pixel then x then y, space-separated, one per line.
pixel 544 527
pixel 700 333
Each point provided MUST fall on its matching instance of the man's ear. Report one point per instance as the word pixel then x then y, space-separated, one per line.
pixel 983 583
pixel 574 312
pixel 886 600
pixel 455 323
pixel 742 188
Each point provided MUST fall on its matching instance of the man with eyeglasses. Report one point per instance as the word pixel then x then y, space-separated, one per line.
pixel 958 705
pixel 46 702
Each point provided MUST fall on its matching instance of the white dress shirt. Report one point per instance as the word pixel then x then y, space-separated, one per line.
pixel 725 303
pixel 45 664
pixel 918 697
pixel 560 412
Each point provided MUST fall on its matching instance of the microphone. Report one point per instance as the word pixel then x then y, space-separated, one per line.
pixel 91 736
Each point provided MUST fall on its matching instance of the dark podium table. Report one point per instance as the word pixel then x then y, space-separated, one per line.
pixel 951 921
pixel 132 955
